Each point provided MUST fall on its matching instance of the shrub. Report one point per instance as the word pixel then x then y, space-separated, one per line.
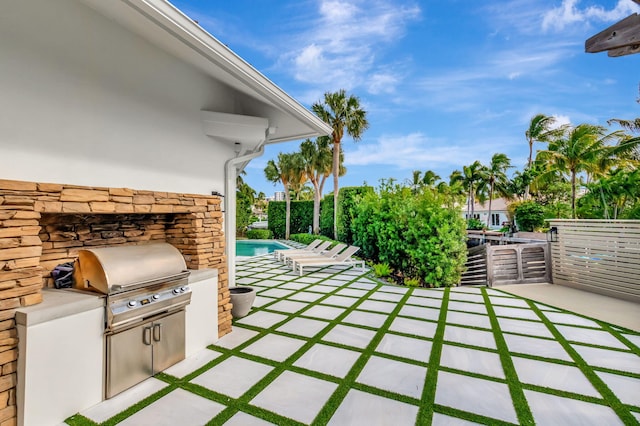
pixel 412 282
pixel 381 270
pixel 301 217
pixel 259 234
pixel 415 234
pixel 473 223
pixel 529 216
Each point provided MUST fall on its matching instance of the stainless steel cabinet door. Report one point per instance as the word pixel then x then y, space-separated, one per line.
pixel 168 336
pixel 128 358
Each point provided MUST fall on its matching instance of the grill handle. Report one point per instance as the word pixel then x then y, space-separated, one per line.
pixel 146 335
pixel 157 332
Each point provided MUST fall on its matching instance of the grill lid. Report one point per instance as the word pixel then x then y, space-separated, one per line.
pixel 114 269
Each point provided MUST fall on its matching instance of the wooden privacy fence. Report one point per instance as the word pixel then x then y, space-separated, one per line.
pixel 601 256
pixel 507 264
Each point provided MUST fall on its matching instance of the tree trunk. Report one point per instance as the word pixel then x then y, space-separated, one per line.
pixel 316 208
pixel 336 171
pixel 573 194
pixel 287 219
pixel 526 189
pixel 490 199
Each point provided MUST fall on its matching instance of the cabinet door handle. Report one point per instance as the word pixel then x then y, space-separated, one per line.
pixel 146 335
pixel 157 332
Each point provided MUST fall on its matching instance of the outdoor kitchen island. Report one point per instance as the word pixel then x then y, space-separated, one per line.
pixel 63 339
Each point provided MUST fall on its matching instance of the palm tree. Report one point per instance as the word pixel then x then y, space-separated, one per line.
pixel 579 149
pixel 290 172
pixel 342 113
pixel 539 131
pixel 496 178
pixel 429 178
pixel 317 158
pixel 473 180
pixel 415 183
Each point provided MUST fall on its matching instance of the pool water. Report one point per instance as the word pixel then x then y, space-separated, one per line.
pixel 257 247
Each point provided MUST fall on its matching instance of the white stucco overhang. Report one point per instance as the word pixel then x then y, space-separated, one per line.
pixel 161 24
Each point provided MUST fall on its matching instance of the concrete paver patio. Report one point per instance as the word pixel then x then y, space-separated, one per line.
pixel 337 347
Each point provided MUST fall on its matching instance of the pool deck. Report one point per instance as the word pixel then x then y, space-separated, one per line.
pixel 337 347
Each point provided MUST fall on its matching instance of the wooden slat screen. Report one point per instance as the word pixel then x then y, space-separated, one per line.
pixel 602 256
pixel 518 263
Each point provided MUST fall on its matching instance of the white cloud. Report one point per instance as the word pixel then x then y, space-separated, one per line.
pixel 411 151
pixel 343 44
pixel 569 13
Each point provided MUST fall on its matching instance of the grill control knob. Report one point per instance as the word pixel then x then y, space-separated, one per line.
pixel 132 303
pixel 183 289
pixel 156 296
pixel 176 291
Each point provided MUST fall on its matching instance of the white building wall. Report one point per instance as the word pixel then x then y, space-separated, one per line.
pixel 89 103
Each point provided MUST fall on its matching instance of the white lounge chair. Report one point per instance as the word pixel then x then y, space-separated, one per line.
pixel 325 254
pixel 343 258
pixel 311 248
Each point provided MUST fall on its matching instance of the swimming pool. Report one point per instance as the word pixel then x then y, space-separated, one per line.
pixel 257 247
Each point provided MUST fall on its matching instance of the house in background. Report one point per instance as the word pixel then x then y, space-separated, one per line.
pixel 499 216
pixel 126 114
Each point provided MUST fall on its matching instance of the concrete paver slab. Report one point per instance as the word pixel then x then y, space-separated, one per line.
pixel 369 319
pixel 244 419
pixel 414 327
pixel 420 312
pixel 237 337
pixel 339 301
pixel 109 408
pixel 324 312
pixel 288 306
pixel 389 297
pixel 626 388
pixel 520 313
pixel 262 319
pixel 424 301
pixel 469 336
pixel 328 359
pixel 531 328
pixel 393 376
pixel 464 318
pixel 354 292
pixel 444 420
pixel 555 376
pixel 177 407
pixel 475 395
pixel 590 336
pixel 555 410
pixel 472 360
pixel 306 296
pixel 296 396
pixel 233 376
pixel 406 347
pixel 570 319
pixel 536 346
pixel 364 409
pixel 477 308
pixel 350 336
pixel 274 347
pixel 615 360
pixel 192 363
pixel 303 326
pixel 377 306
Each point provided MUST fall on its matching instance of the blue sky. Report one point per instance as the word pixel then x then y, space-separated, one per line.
pixel 444 82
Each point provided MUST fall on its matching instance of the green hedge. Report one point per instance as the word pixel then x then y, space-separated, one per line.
pixel 326 216
pixel 348 199
pixel 301 217
pixel 309 238
pixel 259 234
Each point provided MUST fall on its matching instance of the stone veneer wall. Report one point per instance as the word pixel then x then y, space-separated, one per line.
pixel 43 224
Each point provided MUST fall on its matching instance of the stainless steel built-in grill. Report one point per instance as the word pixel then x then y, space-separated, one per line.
pixel 146 290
